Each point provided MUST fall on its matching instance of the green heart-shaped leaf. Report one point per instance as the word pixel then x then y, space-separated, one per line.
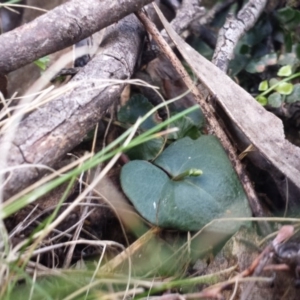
pixel 285 71
pixel 148 150
pixel 284 88
pixel 263 86
pixel 185 125
pixel 273 81
pixel 275 100
pixel 187 203
pixel 262 100
pixel 295 95
pixel 137 106
pixel 286 14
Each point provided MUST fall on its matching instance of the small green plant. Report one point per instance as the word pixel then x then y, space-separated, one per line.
pixel 279 90
pixel 289 21
pixel 191 183
pixel 42 63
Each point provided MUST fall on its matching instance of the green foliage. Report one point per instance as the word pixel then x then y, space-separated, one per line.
pixel 289 20
pixel 284 88
pixel 263 86
pixel 137 106
pixel 262 100
pixel 273 44
pixel 202 48
pixel 295 95
pixel 276 91
pixel 272 82
pixel 191 183
pixel 190 125
pixel 281 89
pixel 275 100
pixel 288 15
pixel 148 150
pixel 285 71
pixel 252 53
pixel 42 63
pixel 49 288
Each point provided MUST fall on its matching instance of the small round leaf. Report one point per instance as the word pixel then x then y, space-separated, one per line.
pixel 284 88
pixel 273 81
pixel 262 100
pixel 285 14
pixel 295 95
pixel 285 71
pixel 263 86
pixel 275 100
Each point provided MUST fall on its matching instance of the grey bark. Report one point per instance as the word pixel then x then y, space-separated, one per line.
pixel 21 79
pixel 59 28
pixel 66 120
pixel 233 30
pixel 186 14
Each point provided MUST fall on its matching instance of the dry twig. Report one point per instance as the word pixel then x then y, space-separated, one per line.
pixel 233 30
pixel 59 28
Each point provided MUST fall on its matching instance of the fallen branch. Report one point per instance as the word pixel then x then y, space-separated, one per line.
pixel 188 12
pixel 67 119
pixel 59 28
pixel 233 30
